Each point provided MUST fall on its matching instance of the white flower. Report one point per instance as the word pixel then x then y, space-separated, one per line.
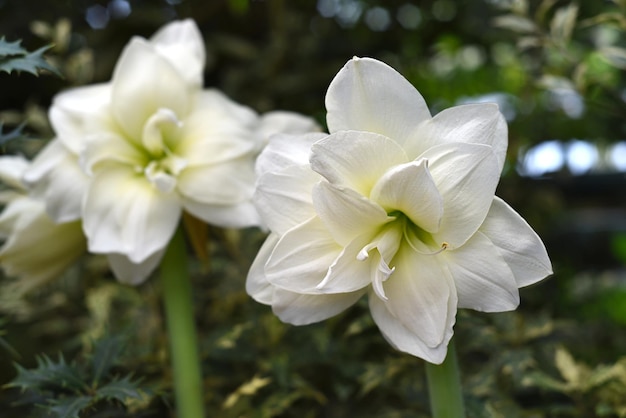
pixel 131 155
pixel 35 249
pixel 395 204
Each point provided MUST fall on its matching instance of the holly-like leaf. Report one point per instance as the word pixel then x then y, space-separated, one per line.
pixel 15 58
pixel 49 375
pixel 11 135
pixel 69 407
pixel 122 390
pixel 106 354
pixel 11 48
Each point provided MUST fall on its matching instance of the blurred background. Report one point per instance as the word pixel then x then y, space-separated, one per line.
pixel 556 68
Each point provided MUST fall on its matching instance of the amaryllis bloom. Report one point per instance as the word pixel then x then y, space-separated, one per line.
pixel 395 204
pixel 131 155
pixel 35 249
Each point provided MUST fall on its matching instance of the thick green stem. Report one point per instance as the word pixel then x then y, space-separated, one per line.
pixel 444 386
pixel 178 300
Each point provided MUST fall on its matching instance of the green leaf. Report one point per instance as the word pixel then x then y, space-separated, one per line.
pixel 70 407
pixel 121 390
pixel 14 134
pixel 515 23
pixel 563 22
pixel 11 48
pixel 105 356
pixel 615 56
pixel 49 375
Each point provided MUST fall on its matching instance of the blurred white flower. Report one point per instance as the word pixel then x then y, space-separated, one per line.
pixel 395 204
pixel 132 154
pixel 35 249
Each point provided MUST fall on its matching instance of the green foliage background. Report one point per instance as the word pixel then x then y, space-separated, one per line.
pixel 562 354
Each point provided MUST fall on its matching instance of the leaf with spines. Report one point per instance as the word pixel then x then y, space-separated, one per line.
pixel 121 389
pixel 49 375
pixel 69 407
pixel 106 355
pixel 14 58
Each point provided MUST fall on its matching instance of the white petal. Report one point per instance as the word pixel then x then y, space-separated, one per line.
pixel 109 147
pixel 182 44
pixel 131 273
pixel 421 295
pixel 285 150
pixel 520 246
pixel 302 257
pixel 36 249
pixel 299 309
pixel 237 215
pixel 125 214
pixel 466 176
pixel 56 177
pixel 410 189
pixel 401 338
pixel 355 159
pixel 143 82
pixel 284 198
pixel 78 113
pixel 12 168
pixel 282 122
pixel 227 183
pixel 474 124
pixel 368 95
pixel 346 213
pixel 257 284
pixel 216 130
pixel 484 281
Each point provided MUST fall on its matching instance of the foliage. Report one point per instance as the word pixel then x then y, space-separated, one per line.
pixel 66 390
pixel 15 58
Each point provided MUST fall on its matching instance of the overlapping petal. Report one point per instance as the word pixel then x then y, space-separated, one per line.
pixel 285 150
pixel 466 176
pixel 355 159
pixel 133 273
pixel 517 243
pixel 368 95
pixel 56 177
pixel 257 284
pixel 124 214
pixel 137 94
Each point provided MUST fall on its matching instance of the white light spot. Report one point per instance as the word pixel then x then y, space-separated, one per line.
pixel 378 19
pixel 547 157
pixel 617 156
pixel 582 156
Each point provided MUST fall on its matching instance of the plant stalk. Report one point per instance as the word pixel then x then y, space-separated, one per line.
pixel 444 386
pixel 177 296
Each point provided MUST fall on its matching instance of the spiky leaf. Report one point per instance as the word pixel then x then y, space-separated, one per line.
pixel 49 375
pixel 11 48
pixel 15 58
pixel 70 407
pixel 106 354
pixel 121 390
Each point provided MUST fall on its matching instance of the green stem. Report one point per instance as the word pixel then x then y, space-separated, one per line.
pixel 178 300
pixel 444 386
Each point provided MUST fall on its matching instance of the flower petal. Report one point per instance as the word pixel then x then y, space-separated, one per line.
pixel 109 147
pixel 283 122
pixel 299 309
pixel 355 159
pixel 518 244
pixel 480 123
pixel 125 214
pixel 302 257
pixel 12 168
pixel 483 280
pixel 257 284
pixel 410 189
pixel 237 215
pixel 227 183
pixel 143 82
pixel 131 273
pixel 78 113
pixel 182 45
pixel 466 176
pixel 346 213
pixel 284 198
pixel 56 177
pixel 421 295
pixel 368 95
pixel 284 150
pixel 216 130
pixel 36 248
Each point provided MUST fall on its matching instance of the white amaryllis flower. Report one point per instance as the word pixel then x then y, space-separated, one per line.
pixel 394 204
pixel 35 249
pixel 132 154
